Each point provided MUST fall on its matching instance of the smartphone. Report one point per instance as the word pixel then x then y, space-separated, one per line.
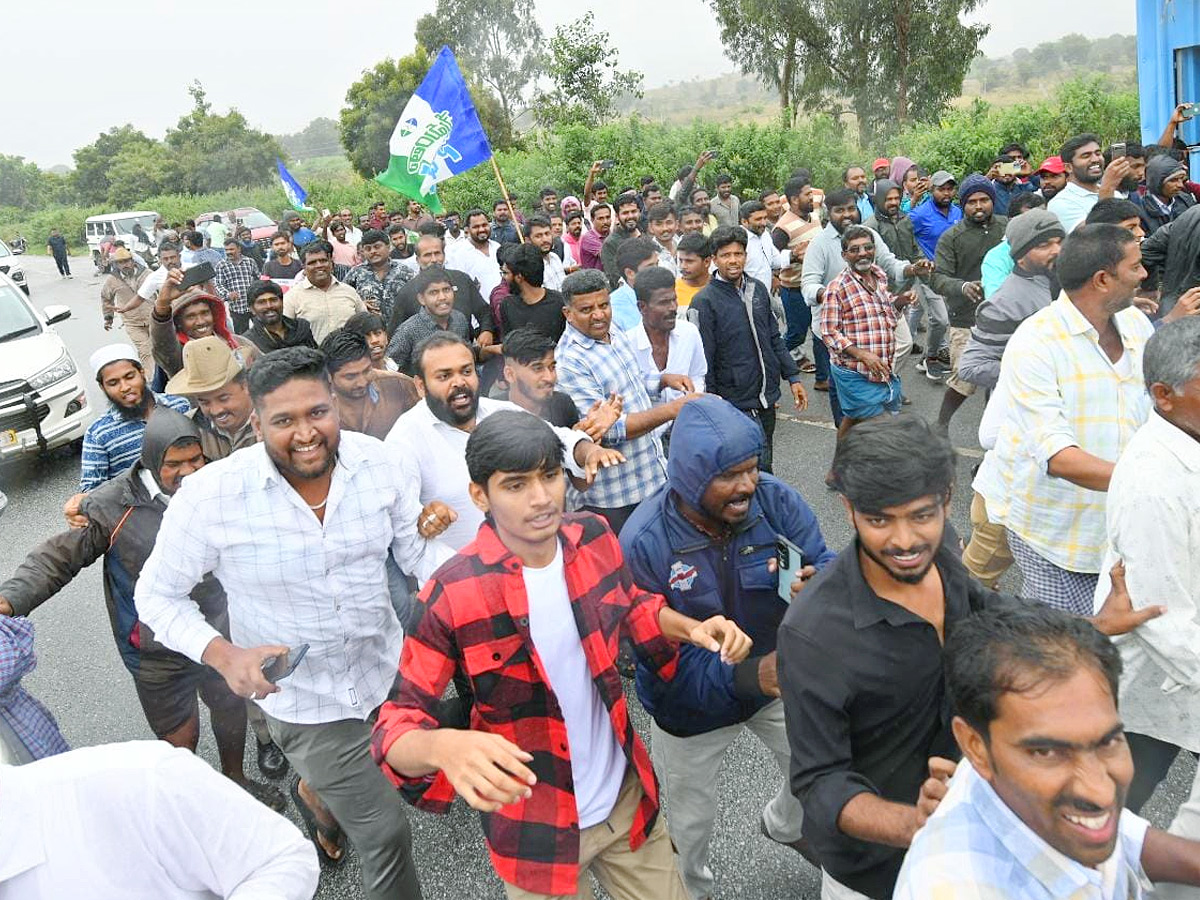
pixel 607 163
pixel 197 275
pixel 326 213
pixel 1190 111
pixel 713 154
pixel 279 667
pixel 790 562
pixel 1010 168
pixel 1118 150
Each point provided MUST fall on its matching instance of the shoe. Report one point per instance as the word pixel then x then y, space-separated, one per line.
pixel 904 401
pixel 935 370
pixel 801 846
pixel 920 365
pixel 917 349
pixel 821 385
pixel 943 356
pixel 271 761
pixel 266 794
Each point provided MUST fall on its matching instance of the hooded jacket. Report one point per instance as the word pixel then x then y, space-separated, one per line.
pixel 896 232
pixel 1155 211
pixel 168 339
pixel 1172 255
pixel 702 576
pixel 123 524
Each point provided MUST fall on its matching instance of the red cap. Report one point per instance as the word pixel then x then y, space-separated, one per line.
pixel 880 163
pixel 1052 166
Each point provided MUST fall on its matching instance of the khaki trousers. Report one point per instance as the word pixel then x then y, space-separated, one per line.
pixel 648 874
pixel 137 329
pixel 986 556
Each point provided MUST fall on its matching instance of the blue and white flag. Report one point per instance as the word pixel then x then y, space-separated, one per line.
pixel 291 187
pixel 438 135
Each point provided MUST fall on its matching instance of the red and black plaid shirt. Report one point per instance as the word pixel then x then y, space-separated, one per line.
pixel 475 618
pixel 852 314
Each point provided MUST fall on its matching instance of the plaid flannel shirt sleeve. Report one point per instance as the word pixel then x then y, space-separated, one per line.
pixel 831 317
pixel 643 629
pixel 576 380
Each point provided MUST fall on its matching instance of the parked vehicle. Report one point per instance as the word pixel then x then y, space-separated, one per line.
pixel 120 225
pixel 43 401
pixel 260 224
pixel 11 266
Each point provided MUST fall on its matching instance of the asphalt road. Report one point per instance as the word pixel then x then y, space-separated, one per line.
pixel 83 682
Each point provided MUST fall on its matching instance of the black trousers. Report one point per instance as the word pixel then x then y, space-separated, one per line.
pixel 1151 760
pixel 616 516
pixel 63 263
pixel 766 421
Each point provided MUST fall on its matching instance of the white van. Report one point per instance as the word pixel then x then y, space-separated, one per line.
pixel 119 225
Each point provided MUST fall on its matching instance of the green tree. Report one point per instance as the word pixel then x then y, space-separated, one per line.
pixel 586 82
pixel 320 137
pixel 1074 49
pixel 375 101
pixel 1045 58
pixel 215 152
pixel 140 171
pixel 20 183
pixel 499 41
pixel 90 178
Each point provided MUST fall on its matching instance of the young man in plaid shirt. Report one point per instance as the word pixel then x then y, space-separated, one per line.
pixel 234 276
pixel 858 325
pixel 532 612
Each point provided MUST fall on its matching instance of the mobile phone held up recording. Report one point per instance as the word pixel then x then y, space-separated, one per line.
pixel 1190 111
pixel 791 561
pixel 197 274
pixel 1118 149
pixel 607 163
pixel 279 667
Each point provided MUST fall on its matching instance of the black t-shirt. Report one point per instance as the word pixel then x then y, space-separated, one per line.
pixel 562 412
pixel 275 269
pixel 58 244
pixel 546 315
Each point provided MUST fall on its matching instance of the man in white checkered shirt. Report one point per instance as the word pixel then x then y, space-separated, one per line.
pixel 298 528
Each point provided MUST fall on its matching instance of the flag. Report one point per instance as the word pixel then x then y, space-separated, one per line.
pixel 438 135
pixel 291 187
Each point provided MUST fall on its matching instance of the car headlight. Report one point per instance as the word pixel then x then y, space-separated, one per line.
pixel 63 367
pixel 17 276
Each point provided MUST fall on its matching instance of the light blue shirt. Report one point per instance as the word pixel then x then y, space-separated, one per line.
pixel 997 265
pixel 625 313
pixel 1072 204
pixel 866 208
pixel 975 846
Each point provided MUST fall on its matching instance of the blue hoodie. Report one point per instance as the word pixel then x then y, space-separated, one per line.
pixel 702 576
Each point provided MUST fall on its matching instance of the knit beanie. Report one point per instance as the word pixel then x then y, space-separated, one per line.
pixel 1031 228
pixel 974 184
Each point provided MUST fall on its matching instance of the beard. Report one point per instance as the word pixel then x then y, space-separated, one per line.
pixel 451 416
pixel 140 410
pixel 915 577
pixel 309 470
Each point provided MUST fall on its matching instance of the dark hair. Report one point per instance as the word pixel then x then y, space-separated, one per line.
pixel 430 276
pixel 1112 211
pixel 846 171
pixel 1016 648
pixel 1090 249
pixel 1025 201
pixel 625 200
pixel 439 338
pixel 802 172
pixel 728 234
pixel 697 189
pixel 538 221
pixel 1009 148
pixel 694 243
pixel 633 253
pixel 689 210
pixel 795 186
pixel 260 287
pixel 749 208
pixel 398 228
pixel 364 323
pixel 652 279
pixel 193 238
pixel 165 246
pixel 343 347
pixel 1067 151
pixel 763 195
pixel 599 186
pixel 476 211
pixel 526 260
pixel 317 246
pixel 724 178
pixel 232 240
pixel 645 181
pixel 500 202
pixel 527 344
pixel 511 441
pixel 649 186
pixel 684 172
pixel 281 234
pixel 661 211
pixel 854 233
pixel 573 214
pixel 374 236
pixel 583 281
pixel 547 192
pixel 891 461
pixel 432 229
pixel 273 370
pixel 841 197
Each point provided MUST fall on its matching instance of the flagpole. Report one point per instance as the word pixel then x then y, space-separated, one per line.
pixel 507 199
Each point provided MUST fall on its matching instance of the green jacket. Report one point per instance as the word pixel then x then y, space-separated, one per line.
pixel 959 259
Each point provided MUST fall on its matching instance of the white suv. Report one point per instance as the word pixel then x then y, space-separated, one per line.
pixel 10 265
pixel 43 402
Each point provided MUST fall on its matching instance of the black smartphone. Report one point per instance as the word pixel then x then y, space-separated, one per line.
pixel 607 163
pixel 279 667
pixel 197 275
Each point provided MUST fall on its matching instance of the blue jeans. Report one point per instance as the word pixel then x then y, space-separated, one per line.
pixel 799 317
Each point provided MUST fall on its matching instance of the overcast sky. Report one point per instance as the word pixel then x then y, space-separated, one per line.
pixel 66 76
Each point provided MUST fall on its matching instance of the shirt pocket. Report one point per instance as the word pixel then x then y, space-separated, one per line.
pixel 503 677
pixel 752 568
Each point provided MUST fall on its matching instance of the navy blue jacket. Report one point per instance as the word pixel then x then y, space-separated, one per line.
pixel 733 369
pixel 701 576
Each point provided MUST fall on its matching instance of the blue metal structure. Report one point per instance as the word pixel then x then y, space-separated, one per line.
pixel 1169 68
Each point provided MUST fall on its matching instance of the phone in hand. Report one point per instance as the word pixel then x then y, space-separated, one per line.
pixel 279 667
pixel 1189 111
pixel 1010 168
pixel 790 561
pixel 197 274
pixel 1118 150
pixel 607 163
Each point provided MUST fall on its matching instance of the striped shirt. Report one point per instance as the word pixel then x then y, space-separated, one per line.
pixel 1065 392
pixel 236 276
pixel 113 443
pixel 591 370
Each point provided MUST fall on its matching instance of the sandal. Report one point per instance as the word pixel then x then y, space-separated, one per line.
pixel 314 827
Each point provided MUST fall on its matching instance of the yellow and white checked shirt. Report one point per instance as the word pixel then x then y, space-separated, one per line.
pixel 1065 392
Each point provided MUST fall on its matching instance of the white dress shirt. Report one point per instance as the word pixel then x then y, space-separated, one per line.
pixel 685 355
pixel 554 271
pixel 484 269
pixel 143 820
pixel 290 578
pixel 434 462
pixel 762 258
pixel 1153 526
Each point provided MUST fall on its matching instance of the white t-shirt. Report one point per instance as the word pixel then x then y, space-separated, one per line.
pixel 597 763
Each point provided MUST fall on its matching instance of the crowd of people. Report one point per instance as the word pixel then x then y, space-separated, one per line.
pixel 409 496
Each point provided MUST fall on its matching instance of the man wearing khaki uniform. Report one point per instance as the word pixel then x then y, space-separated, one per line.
pixel 119 294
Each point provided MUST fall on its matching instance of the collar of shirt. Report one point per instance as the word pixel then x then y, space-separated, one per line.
pixel 573 335
pixel 1077 323
pixel 1174 440
pixel 868 608
pixel 1059 874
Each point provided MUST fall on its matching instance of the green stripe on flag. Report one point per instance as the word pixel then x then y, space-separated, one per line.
pixel 398 179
